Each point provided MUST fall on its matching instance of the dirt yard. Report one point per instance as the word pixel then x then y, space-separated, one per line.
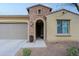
pixel 52 49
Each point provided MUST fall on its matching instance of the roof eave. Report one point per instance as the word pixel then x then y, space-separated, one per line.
pixel 38 5
pixel 65 10
pixel 14 16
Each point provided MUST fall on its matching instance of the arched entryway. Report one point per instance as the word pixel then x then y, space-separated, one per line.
pixel 39 29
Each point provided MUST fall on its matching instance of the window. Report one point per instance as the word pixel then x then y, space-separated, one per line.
pixel 63 26
pixel 39 11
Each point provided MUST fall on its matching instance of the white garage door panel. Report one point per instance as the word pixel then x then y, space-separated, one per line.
pixel 13 31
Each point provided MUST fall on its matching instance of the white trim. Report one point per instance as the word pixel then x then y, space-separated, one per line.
pixel 68 35
pixel 28 31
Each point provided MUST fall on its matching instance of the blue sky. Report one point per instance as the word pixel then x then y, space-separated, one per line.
pixel 21 8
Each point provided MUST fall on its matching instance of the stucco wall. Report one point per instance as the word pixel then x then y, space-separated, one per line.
pixel 52 35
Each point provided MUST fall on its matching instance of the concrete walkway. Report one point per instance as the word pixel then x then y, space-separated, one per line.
pixel 36 44
pixel 10 47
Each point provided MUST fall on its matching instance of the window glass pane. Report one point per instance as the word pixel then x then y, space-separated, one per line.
pixel 59 26
pixel 68 25
pixel 39 11
pixel 65 26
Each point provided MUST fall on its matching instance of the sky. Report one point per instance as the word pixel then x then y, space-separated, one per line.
pixel 21 8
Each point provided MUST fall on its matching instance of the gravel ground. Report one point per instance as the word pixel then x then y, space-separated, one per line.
pixel 52 49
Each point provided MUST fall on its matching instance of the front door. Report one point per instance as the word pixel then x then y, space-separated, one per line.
pixel 39 29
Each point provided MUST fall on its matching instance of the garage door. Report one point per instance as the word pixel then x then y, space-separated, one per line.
pixel 13 31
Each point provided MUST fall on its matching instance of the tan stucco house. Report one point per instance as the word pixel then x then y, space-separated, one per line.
pixel 41 22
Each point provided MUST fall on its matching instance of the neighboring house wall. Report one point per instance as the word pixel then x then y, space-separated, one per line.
pixel 52 35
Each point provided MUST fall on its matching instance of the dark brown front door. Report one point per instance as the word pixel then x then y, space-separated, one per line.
pixel 39 29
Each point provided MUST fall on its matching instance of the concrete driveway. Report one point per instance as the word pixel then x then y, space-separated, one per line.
pixel 10 47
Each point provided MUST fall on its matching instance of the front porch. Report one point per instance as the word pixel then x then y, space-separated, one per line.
pixel 39 43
